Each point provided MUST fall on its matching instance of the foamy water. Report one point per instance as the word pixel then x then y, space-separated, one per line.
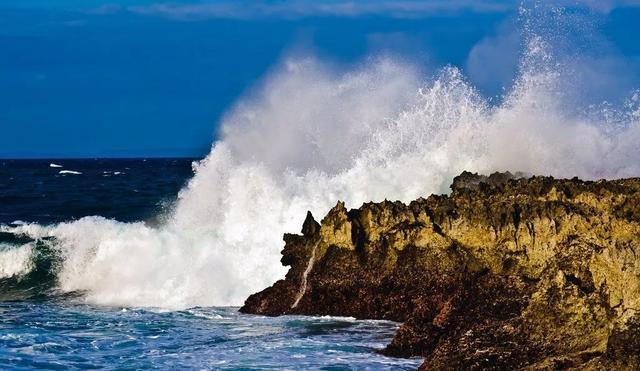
pixel 311 136
pixel 15 261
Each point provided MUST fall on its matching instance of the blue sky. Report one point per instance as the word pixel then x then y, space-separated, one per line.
pixel 93 78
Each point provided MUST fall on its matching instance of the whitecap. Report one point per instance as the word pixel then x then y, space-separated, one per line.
pixel 15 261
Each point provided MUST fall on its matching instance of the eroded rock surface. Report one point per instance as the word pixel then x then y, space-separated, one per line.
pixel 504 273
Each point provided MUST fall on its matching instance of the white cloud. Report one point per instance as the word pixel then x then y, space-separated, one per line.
pixel 105 9
pixel 603 6
pixel 305 8
pixel 243 9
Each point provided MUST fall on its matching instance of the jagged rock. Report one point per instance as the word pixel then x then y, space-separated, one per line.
pixel 504 273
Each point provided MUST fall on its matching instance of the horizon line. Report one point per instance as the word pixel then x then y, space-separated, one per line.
pixel 103 158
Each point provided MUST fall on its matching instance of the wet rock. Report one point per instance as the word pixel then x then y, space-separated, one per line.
pixel 507 272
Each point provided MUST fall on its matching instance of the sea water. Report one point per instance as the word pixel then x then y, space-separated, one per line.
pixel 61 334
pixel 43 327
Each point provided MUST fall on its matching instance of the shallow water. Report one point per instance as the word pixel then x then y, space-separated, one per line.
pixel 61 334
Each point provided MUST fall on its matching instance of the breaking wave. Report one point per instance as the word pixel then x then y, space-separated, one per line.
pixel 15 261
pixel 309 136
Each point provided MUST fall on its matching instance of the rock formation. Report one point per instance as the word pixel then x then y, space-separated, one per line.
pixel 504 273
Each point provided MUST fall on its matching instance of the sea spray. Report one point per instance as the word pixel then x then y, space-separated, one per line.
pixel 15 261
pixel 310 136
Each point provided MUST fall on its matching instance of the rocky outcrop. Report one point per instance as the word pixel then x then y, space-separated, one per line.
pixel 504 273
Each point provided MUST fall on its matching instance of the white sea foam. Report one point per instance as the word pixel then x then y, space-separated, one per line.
pixel 15 261
pixel 55 165
pixel 311 136
pixel 70 172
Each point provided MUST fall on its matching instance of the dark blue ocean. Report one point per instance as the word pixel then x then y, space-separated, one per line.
pixel 43 328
